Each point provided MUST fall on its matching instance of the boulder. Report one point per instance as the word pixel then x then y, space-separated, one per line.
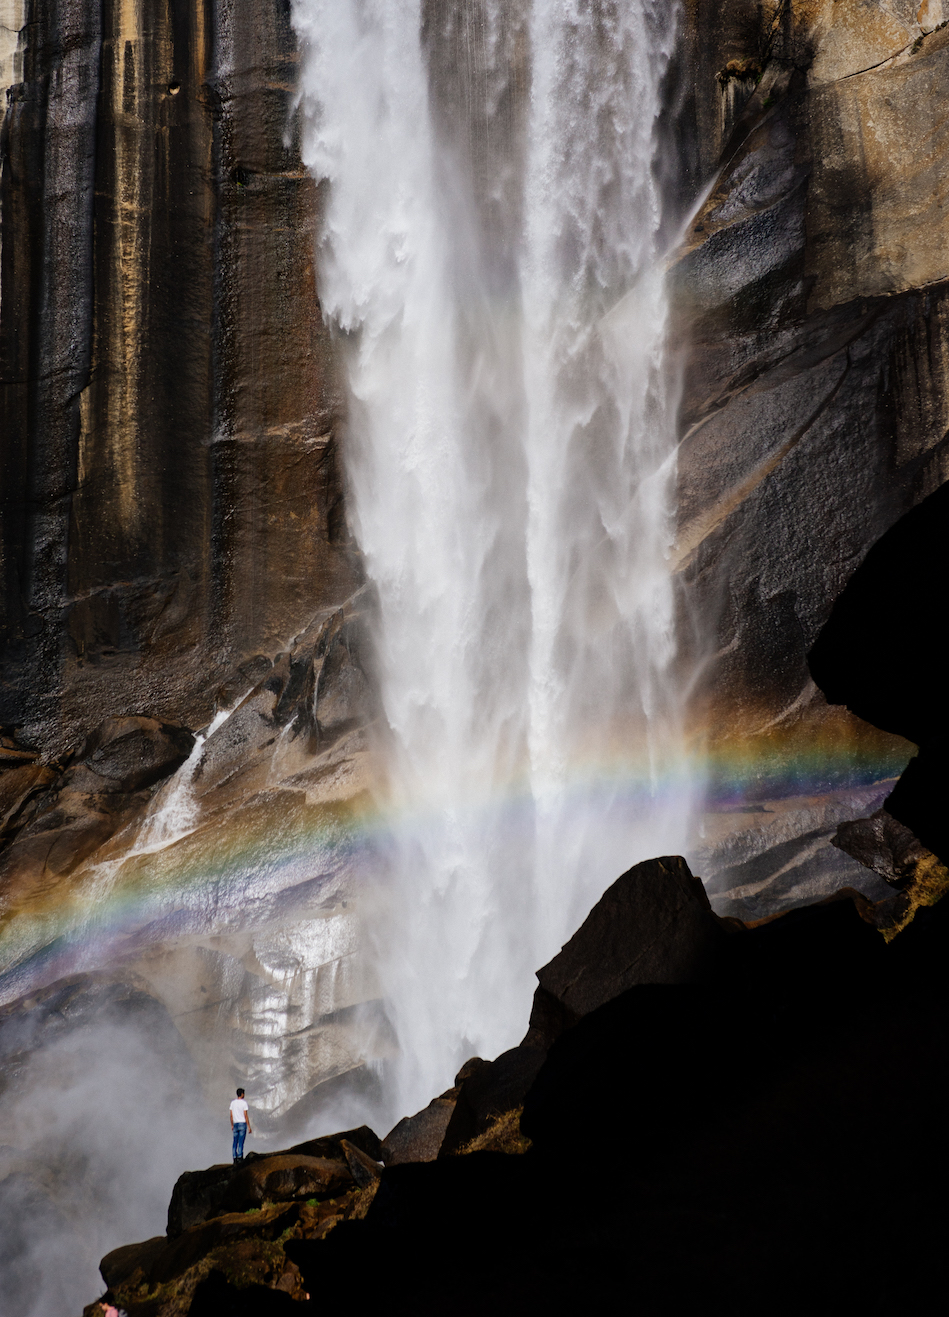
pixel 200 1195
pixel 364 1170
pixel 196 1197
pixel 418 1138
pixel 495 1088
pixel 331 1146
pixel 891 680
pixel 653 925
pixel 632 1073
pixel 883 844
pixel 683 1134
pixel 120 1266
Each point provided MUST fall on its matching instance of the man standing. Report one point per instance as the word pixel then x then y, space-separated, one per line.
pixel 240 1124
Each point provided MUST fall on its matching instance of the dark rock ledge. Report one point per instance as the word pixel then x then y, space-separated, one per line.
pixel 707 1114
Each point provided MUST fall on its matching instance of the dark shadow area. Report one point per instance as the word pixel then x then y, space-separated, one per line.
pixel 742 1145
pixel 882 654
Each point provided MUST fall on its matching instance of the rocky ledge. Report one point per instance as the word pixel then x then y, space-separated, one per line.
pixel 700 1112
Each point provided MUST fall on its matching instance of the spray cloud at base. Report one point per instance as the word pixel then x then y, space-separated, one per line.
pixel 99 1121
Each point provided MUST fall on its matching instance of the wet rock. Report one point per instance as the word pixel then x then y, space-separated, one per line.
pixel 814 309
pixel 129 754
pixel 790 875
pixel 760 857
pixel 19 787
pixel 653 925
pixel 108 782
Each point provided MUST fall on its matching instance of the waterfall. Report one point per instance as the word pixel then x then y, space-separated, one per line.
pixel 488 251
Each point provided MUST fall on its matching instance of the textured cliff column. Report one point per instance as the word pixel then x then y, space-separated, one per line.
pixel 171 502
pixel 45 299
pixel 139 535
pixel 812 289
pixel 281 546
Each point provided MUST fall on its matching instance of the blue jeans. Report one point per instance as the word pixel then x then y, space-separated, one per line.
pixel 240 1134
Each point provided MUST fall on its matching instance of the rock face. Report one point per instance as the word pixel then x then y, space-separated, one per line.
pixel 107 785
pixel 262 809
pixel 171 496
pixel 810 298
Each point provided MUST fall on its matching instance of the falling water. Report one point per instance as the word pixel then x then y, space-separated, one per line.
pixel 489 254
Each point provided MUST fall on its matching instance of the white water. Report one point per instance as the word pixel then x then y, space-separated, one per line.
pixel 488 251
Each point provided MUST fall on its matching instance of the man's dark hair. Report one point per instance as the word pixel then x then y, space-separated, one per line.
pixel 240 1092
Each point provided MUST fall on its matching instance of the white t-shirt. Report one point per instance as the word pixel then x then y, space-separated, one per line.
pixel 239 1111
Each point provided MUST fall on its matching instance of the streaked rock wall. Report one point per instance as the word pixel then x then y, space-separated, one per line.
pixel 171 503
pixel 812 295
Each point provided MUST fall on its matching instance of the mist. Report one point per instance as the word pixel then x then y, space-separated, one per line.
pixel 97 1126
